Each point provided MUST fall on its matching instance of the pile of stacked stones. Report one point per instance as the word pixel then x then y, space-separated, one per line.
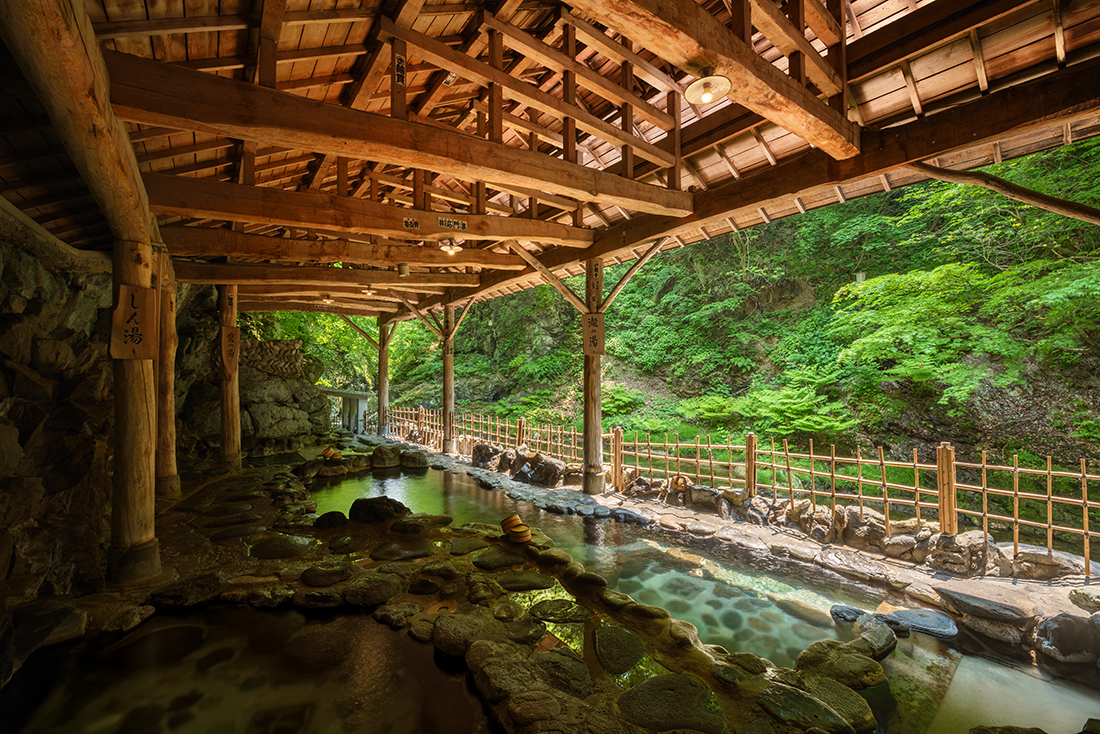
pixel 526 465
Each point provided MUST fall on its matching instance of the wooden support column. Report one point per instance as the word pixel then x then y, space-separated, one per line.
pixel 167 477
pixel 626 112
pixel 595 482
pixel 231 388
pixel 384 332
pixel 448 378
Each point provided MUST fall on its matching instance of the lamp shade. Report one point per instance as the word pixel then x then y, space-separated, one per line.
pixel 402 270
pixel 708 88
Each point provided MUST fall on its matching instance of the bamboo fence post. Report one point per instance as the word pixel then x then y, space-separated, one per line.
pixel 649 453
pixel 832 476
pixel 750 465
pixel 790 476
pixel 885 493
pixel 1050 507
pixel 617 457
pixel 1015 505
pixel 698 459
pixel 945 470
pixel 710 460
pixel 859 478
pixel 1085 518
pixel 729 460
pixel 771 460
pixel 916 487
pixel 677 434
pixel 813 480
pixel 985 496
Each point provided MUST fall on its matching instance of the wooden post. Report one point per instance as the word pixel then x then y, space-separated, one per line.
pixel 231 393
pixel 448 378
pixel 167 477
pixel 750 464
pixel 945 479
pixel 594 480
pixel 617 459
pixel 521 430
pixel 383 379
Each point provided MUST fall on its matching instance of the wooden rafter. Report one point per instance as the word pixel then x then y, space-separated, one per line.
pixel 193 272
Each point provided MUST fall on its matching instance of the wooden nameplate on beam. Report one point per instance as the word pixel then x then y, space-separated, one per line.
pixel 134 331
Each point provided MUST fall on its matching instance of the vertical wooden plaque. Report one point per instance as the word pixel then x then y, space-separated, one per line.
pixel 231 346
pixel 134 323
pixel 593 333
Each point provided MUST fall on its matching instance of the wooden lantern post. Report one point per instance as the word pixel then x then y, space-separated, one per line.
pixel 167 477
pixel 595 481
pixel 448 379
pixel 384 332
pixel 231 392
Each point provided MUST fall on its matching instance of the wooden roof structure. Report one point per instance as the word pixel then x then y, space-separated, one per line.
pixel 302 149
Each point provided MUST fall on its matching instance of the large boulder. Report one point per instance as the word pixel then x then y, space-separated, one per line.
pixel 486 456
pixel 549 473
pixel 373 510
pixel 385 457
pixel 963 554
pixel 1068 639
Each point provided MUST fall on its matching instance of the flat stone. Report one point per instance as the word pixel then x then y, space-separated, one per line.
pixel 318 599
pixel 851 563
pixel 419 522
pixel 525 581
pixel 992 604
pixel 531 706
pixel 802 611
pixel 670 702
pixel 462 546
pixel 424 587
pixel 590 579
pixel 927 621
pixel 1004 632
pixel 372 590
pixel 443 569
pixel 373 510
pixel 526 631
pixel 617 649
pixel 348 544
pixel 1086 597
pixel 400 568
pixel 454 633
pixel 232 509
pixel 495 558
pixel 802 710
pixel 553 557
pixel 199 591
pixel 223 522
pixel 281 546
pixel 402 550
pixel 327 574
pixel 397 615
pixel 560 611
pixel 560 668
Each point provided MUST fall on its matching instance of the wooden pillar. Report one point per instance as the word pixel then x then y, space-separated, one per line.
pixel 383 379
pixel 945 480
pixel 167 477
pixel 134 553
pixel 448 378
pixel 750 464
pixel 594 479
pixel 231 389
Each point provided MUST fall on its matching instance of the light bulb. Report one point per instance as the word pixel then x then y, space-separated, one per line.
pixel 708 96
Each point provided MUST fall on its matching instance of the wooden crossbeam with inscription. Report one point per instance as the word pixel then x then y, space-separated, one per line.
pixel 201 242
pixel 687 35
pixel 153 93
pixel 206 199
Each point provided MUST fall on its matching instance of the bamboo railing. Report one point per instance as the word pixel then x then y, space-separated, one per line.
pixel 988 495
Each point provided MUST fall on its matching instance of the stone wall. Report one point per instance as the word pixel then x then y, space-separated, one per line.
pixel 281 357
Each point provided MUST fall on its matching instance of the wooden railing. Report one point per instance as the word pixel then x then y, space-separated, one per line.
pixel 990 495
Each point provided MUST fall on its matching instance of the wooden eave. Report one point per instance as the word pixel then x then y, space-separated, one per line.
pixel 908 62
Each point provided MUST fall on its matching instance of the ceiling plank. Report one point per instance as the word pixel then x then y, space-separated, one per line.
pixel 154 93
pixel 238 274
pixel 202 242
pixel 619 53
pixel 192 197
pixel 778 29
pixel 687 35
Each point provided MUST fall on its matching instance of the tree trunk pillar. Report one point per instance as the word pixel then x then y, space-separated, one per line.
pixel 383 379
pixel 595 481
pixel 134 553
pixel 167 476
pixel 231 386
pixel 448 379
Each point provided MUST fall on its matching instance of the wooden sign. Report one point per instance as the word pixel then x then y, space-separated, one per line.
pixel 593 333
pixel 134 323
pixel 231 347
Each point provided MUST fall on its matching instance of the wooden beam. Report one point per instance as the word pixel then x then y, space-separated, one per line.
pixel 153 93
pixel 271 25
pixel 598 40
pixel 416 312
pixel 653 250
pixel 1013 191
pixel 193 272
pixel 822 23
pixel 348 300
pixel 687 35
pixel 205 199
pixel 778 29
pixel 265 306
pixel 365 335
pixel 202 242
pixel 550 277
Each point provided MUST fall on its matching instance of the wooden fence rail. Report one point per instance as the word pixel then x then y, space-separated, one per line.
pixel 986 495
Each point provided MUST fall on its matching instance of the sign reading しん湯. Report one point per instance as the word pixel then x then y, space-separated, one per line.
pixel 134 323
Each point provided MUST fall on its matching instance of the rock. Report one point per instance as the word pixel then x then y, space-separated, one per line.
pixel 397 615
pixel 424 586
pixel 373 510
pixel 802 611
pixel 526 631
pixel 820 525
pixel 462 546
pixel 414 460
pixel 560 668
pixel 617 649
pixel 199 591
pixel 237 532
pixel 234 508
pixel 964 554
pixel 309 469
pixel 867 621
pixel 280 546
pixel 317 647
pixel 1068 639
pixel 844 615
pixel 348 544
pixel 851 564
pixel 525 581
pixel 419 522
pixel 846 663
pixel 927 621
pixel 670 702
pixel 995 604
pixel 270 598
pixel 897 546
pixel 221 522
pixel 589 579
pixel 876 640
pixel 384 457
pixel 800 709
pixel 560 611
pixel 443 569
pixel 848 704
pixel 548 473
pixel 404 549
pixel 330 520
pixel 327 574
pixel 991 628
pixel 1034 562
pixel 495 558
pixel 318 599
pixel 333 468
pixel 454 633
pixel 1086 597
pixel 372 590
pixel 553 557
pixel 531 706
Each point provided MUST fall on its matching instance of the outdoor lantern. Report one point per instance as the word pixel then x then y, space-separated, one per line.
pixel 707 88
pixel 368 291
pixel 327 300
pixel 450 247
pixel 402 270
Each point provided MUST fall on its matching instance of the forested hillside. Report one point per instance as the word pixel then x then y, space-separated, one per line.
pixel 977 321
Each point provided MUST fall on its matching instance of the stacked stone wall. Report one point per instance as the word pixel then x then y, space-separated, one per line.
pixel 280 357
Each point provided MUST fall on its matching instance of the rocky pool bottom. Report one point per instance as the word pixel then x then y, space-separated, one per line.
pixel 313 661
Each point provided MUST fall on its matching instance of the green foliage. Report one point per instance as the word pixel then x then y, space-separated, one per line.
pixel 350 362
pixel 801 407
pixel 618 400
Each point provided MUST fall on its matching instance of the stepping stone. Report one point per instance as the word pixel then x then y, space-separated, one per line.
pixel 400 568
pixel 234 509
pixel 462 546
pixel 281 546
pixel 424 587
pixel 936 624
pixel 560 611
pixel 372 591
pixel 397 615
pixel 617 649
pixel 223 522
pixel 197 591
pixel 402 550
pixel 348 544
pixel 237 532
pixel 995 604
pixel 418 523
pixel 525 581
pixel 327 574
pixel 495 558
pixel 670 702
